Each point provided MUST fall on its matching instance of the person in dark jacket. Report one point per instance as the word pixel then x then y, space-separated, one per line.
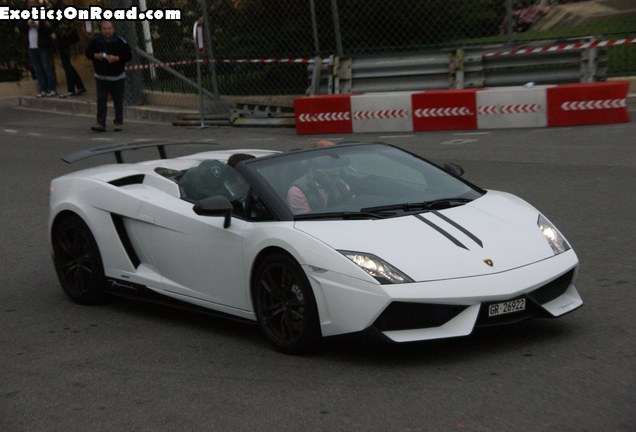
pixel 65 35
pixel 39 44
pixel 109 54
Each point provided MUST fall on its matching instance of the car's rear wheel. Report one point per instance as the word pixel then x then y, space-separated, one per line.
pixel 78 262
pixel 285 305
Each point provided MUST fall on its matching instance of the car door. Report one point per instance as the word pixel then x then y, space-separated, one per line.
pixel 196 256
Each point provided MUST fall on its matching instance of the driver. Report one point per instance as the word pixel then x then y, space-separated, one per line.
pixel 320 188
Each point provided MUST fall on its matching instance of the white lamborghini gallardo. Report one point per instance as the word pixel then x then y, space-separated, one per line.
pixel 310 243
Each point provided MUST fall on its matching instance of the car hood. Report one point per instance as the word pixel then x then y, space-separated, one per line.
pixel 498 229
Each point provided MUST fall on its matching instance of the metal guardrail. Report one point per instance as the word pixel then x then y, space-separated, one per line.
pixel 458 69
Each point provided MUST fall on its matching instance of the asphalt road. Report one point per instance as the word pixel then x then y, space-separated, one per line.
pixel 130 366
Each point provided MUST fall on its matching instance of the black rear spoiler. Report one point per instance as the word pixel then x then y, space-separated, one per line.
pixel 118 149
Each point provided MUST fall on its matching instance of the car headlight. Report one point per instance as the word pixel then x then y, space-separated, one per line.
pixel 552 235
pixel 381 270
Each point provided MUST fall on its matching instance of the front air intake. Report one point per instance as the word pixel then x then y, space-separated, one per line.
pixel 408 316
pixel 552 290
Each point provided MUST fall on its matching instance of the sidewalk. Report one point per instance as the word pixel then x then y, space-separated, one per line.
pixel 87 105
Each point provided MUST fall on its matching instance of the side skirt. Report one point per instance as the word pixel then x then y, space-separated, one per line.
pixel 133 291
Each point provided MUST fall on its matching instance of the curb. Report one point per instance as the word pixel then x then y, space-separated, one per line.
pixel 84 106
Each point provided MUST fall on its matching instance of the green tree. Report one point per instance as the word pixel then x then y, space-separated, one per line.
pixel 13 56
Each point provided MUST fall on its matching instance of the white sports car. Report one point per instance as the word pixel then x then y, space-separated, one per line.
pixel 310 243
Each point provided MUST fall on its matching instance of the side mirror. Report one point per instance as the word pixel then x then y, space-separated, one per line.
pixel 454 169
pixel 215 206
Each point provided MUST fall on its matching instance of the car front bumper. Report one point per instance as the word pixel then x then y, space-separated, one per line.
pixel 445 308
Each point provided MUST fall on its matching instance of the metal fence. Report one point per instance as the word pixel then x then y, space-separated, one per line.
pixel 265 47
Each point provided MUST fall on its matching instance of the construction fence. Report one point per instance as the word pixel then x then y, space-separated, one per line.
pixel 270 47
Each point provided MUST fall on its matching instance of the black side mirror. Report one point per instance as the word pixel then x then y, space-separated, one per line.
pixel 215 206
pixel 454 169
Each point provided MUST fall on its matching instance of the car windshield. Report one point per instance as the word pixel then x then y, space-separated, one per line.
pixel 358 181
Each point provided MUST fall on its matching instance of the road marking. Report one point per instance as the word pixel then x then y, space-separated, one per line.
pixel 543 130
pixel 10 131
pixel 101 139
pixel 35 134
pixel 395 136
pixel 260 139
pixel 472 133
pixel 143 139
pixel 459 141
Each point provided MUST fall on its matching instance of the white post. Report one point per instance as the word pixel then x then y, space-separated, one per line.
pixel 147 37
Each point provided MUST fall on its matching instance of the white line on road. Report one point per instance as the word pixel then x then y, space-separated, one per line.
pixel 472 133
pixel 101 139
pixel 459 141
pixel 395 136
pixel 10 131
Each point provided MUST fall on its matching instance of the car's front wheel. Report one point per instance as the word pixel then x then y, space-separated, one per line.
pixel 77 260
pixel 285 305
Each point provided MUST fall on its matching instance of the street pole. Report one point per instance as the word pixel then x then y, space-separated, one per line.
pixel 336 27
pixel 210 52
pixel 509 22
pixel 314 25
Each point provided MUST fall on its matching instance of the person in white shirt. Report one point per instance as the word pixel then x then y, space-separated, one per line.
pixel 39 44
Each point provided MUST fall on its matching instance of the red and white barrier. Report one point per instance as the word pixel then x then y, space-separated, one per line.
pixel 496 108
pixel 324 114
pixel 373 114
pixel 589 103
pixel 512 107
pixel 444 109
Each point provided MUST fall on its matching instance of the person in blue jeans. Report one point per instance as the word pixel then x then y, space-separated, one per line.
pixel 65 36
pixel 39 44
pixel 109 54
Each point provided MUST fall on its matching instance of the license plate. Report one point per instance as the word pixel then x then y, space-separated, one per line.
pixel 507 307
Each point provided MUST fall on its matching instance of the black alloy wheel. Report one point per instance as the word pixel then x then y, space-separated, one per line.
pixel 285 305
pixel 78 262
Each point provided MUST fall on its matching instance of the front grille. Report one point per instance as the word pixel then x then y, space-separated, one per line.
pixel 408 316
pixel 552 290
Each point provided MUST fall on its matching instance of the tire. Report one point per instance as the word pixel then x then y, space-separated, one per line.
pixel 285 305
pixel 78 262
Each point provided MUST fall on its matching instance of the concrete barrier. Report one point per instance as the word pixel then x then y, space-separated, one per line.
pixel 489 108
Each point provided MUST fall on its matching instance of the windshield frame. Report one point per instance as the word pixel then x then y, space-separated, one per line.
pixel 278 206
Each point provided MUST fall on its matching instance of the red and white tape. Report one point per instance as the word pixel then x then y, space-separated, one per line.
pixel 304 60
pixel 562 47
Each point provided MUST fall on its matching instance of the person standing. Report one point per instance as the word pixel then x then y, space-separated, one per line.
pixel 39 44
pixel 65 35
pixel 109 54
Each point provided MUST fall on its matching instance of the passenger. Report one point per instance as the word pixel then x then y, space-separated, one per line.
pixel 320 188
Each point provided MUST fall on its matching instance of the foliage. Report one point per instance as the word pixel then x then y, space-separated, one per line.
pixel 13 55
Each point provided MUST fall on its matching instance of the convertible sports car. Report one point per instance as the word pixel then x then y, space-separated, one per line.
pixel 310 243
